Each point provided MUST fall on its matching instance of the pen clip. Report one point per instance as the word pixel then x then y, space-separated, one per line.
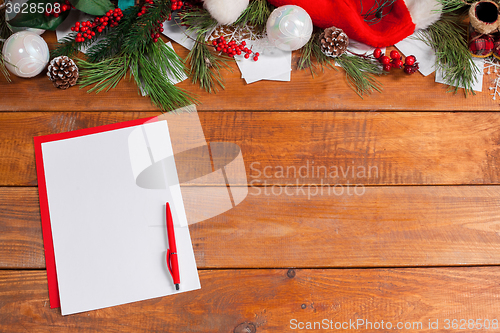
pixel 169 265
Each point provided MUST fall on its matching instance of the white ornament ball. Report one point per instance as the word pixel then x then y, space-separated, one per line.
pixel 225 11
pixel 26 54
pixel 289 27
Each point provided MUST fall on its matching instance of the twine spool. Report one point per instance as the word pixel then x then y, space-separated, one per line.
pixel 484 16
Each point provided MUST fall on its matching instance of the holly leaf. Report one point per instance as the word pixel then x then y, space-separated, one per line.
pixel 93 7
pixel 37 19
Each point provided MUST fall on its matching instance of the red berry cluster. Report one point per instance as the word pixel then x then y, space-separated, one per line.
pixel 147 4
pixel 396 61
pixel 232 48
pixel 57 8
pixel 411 66
pixel 87 29
pixel 176 4
pixel 155 32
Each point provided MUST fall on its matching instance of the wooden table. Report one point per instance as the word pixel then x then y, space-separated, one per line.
pixel 419 246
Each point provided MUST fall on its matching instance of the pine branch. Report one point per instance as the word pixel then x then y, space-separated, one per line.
pixel 68 46
pixel 153 79
pixel 106 48
pixel 104 75
pixel 130 46
pixel 150 70
pixel 256 15
pixel 453 5
pixel 306 55
pixel 205 66
pixel 3 69
pixel 313 49
pixel 448 37
pixel 167 61
pixel 112 41
pixel 198 20
pixel 360 73
pixel 138 36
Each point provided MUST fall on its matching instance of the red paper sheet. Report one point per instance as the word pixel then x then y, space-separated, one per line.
pixel 44 204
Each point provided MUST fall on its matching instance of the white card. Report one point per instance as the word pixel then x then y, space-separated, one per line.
pixel 108 229
pixel 282 77
pixel 425 55
pixel 272 63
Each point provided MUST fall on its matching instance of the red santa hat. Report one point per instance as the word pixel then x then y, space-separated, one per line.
pixel 397 21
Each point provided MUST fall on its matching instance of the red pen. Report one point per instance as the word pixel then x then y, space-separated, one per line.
pixel 172 260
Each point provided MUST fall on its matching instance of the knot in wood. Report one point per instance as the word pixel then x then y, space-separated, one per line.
pixel 245 327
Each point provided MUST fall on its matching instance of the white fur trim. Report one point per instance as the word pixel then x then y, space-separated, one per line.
pixel 225 11
pixel 424 12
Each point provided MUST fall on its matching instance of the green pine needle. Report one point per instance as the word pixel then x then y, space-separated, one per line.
pixel 3 69
pixel 453 5
pixel 206 66
pixel 150 75
pixel 361 73
pixel 66 46
pixel 448 37
pixel 306 55
pixel 138 36
pixel 256 14
pixel 313 50
pixel 112 41
pixel 156 85
pixel 198 20
pixel 103 75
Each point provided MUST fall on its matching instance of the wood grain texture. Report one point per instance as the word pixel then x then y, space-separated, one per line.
pixel 21 243
pixel 269 301
pixel 309 227
pixel 326 91
pixel 305 147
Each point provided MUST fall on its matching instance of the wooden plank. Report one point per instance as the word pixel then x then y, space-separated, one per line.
pixel 21 244
pixel 17 155
pixel 277 300
pixel 304 227
pixel 306 147
pixel 326 91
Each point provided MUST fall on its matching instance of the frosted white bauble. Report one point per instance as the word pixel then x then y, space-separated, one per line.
pixel 289 27
pixel 26 54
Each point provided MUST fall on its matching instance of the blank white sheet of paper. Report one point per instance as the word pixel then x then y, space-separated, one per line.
pixel 108 231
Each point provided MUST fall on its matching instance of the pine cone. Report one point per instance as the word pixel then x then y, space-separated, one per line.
pixel 63 72
pixel 333 42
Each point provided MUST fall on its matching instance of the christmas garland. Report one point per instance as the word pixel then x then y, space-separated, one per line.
pixel 128 42
pixel 132 47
